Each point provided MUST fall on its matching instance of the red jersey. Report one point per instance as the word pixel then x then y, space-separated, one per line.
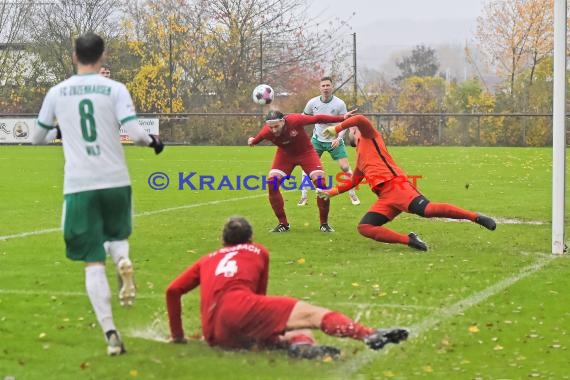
pixel 293 138
pixel 373 161
pixel 244 267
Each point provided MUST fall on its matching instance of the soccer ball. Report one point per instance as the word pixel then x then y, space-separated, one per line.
pixel 263 94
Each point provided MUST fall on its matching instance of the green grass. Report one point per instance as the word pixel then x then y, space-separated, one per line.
pixel 481 304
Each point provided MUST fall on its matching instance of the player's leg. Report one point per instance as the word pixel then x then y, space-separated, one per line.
pixel 282 166
pixel 339 155
pixel 421 206
pixel 311 164
pixel 305 315
pixel 318 178
pixel 305 177
pixel 117 227
pixel 83 235
pixel 381 212
pixel 304 191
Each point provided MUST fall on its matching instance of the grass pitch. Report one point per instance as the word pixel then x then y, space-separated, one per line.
pixel 480 304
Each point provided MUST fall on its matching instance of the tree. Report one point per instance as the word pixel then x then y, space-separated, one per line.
pixel 13 17
pixel 422 62
pixel 14 61
pixel 516 35
pixel 420 95
pixel 215 50
pixel 54 26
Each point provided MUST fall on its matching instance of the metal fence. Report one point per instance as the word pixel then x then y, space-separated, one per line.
pixel 447 129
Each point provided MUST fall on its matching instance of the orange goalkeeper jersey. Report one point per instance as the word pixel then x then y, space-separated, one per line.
pixel 372 157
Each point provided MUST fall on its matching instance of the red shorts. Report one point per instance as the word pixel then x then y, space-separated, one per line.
pixel 393 198
pixel 284 162
pixel 243 319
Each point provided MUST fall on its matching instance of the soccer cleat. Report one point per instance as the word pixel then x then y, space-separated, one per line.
pixel 486 222
pixel 114 344
pixel 309 351
pixel 302 201
pixel 127 289
pixel 380 338
pixel 281 228
pixel 326 228
pixel 416 243
pixel 354 199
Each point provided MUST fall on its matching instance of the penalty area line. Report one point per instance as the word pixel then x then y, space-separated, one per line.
pixel 351 367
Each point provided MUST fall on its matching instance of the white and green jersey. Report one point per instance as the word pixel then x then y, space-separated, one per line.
pixel 315 106
pixel 89 110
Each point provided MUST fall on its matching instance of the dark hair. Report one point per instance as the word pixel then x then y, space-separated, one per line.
pixel 326 78
pixel 237 230
pixel 274 115
pixel 89 47
pixel 106 66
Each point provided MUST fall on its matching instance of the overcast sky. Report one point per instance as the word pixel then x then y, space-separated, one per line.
pixel 368 11
pixel 386 26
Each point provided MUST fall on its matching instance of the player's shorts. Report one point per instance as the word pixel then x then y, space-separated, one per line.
pixel 93 217
pixel 336 153
pixel 243 319
pixel 394 196
pixel 285 163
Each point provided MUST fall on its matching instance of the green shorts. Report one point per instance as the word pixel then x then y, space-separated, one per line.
pixel 336 153
pixel 93 217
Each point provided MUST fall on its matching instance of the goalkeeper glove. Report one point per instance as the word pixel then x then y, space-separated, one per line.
pixel 156 144
pixel 330 132
pixel 322 194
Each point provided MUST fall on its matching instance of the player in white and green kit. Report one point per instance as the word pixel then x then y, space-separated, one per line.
pixel 90 109
pixel 328 104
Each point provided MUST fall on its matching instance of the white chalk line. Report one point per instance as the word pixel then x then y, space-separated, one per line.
pixel 145 213
pixel 351 367
pixel 212 203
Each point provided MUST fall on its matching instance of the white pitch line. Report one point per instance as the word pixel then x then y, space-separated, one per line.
pixel 51 293
pixel 352 366
pixel 212 203
pixel 30 233
pixel 145 213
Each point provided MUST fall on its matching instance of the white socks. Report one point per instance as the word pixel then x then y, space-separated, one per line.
pixel 117 250
pixel 99 294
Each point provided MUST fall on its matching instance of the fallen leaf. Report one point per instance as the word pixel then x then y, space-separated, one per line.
pixel 355 284
pixel 84 365
pixel 133 372
pixel 427 368
pixel 388 373
pixel 301 260
pixel 498 347
pixel 473 329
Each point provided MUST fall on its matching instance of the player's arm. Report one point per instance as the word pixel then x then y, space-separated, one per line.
pixel 264 278
pixel 343 185
pixel 344 111
pixel 258 138
pixel 127 117
pixel 359 121
pixel 46 130
pixel 319 119
pixel 181 285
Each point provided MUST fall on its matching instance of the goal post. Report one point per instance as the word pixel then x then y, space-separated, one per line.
pixel 559 128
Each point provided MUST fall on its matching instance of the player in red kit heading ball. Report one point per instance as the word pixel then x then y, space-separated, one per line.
pixel 294 148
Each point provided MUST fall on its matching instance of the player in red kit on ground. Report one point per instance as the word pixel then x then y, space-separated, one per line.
pixel 375 165
pixel 294 148
pixel 236 313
